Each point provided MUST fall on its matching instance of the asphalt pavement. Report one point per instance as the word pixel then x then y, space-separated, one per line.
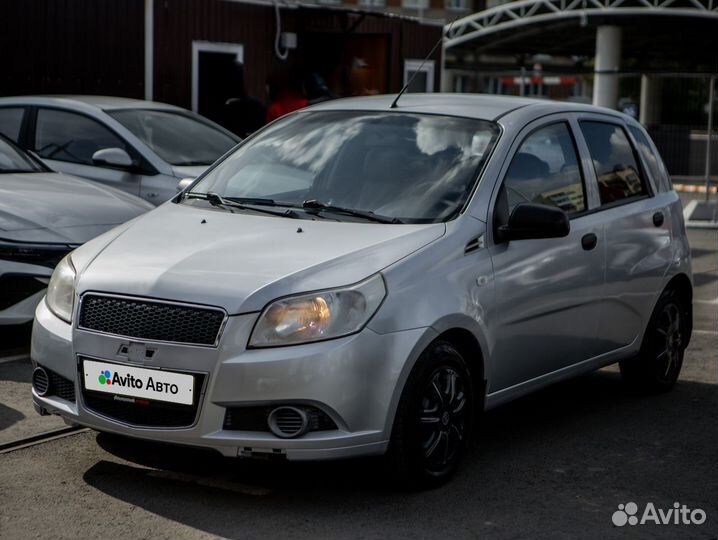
pixel 556 464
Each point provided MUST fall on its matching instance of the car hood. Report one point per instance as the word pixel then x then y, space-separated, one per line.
pixel 240 261
pixel 188 171
pixel 57 208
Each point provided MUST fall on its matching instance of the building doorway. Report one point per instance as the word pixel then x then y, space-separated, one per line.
pixel 214 67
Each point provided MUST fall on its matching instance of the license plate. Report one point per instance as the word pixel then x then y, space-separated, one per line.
pixel 130 381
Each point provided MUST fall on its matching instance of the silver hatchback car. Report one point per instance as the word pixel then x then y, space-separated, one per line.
pixel 358 278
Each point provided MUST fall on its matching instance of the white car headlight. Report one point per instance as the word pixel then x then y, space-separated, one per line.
pixel 318 316
pixel 60 295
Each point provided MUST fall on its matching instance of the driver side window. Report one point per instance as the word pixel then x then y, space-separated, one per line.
pixel 545 170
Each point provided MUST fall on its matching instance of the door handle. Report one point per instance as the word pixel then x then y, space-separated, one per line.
pixel 658 218
pixel 589 241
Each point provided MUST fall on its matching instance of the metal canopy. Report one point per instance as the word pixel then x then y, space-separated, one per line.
pixel 524 13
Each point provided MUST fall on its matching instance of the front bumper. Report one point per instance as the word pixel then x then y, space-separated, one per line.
pixel 356 380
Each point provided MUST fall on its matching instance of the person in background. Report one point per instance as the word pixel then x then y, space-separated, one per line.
pixel 284 98
pixel 245 114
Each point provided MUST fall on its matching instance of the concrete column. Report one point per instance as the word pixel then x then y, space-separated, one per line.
pixel 608 58
pixel 650 100
pixel 149 48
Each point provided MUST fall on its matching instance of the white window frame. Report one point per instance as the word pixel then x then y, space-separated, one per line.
pixel 415 65
pixel 372 3
pixel 210 46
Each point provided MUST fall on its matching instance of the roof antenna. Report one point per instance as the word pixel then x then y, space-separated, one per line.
pixel 418 70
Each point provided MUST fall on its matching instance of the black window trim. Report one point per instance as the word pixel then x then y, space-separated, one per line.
pixel 639 162
pixel 143 167
pixel 567 123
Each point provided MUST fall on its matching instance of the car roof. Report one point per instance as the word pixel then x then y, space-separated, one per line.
pixel 479 106
pixel 84 102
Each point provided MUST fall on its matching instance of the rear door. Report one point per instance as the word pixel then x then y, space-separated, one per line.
pixel 636 217
pixel 549 291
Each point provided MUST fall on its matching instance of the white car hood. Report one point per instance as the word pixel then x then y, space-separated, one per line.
pixel 57 208
pixel 240 261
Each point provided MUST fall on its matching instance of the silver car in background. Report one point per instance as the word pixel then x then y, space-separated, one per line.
pixel 141 147
pixel 43 216
pixel 359 278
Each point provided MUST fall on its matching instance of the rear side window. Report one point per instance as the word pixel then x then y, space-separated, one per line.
pixel 653 160
pixel 619 176
pixel 67 136
pixel 545 170
pixel 11 122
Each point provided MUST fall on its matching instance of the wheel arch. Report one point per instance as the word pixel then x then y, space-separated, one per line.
pixel 681 284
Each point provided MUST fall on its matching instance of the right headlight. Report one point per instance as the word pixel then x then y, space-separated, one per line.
pixel 60 295
pixel 318 316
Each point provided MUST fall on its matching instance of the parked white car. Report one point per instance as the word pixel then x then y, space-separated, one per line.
pixel 43 216
pixel 141 147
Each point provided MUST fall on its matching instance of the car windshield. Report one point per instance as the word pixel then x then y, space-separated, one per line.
pixel 178 138
pixel 14 160
pixel 414 168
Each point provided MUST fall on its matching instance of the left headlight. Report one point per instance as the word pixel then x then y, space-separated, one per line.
pixel 318 316
pixel 60 295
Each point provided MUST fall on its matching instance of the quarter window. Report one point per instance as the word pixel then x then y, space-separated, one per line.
pixel 619 177
pixel 67 136
pixel 545 170
pixel 10 122
pixel 655 164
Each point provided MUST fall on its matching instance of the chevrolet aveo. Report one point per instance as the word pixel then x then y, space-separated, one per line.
pixel 359 279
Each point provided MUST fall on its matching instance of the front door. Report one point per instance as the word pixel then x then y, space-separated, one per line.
pixel 549 291
pixel 66 142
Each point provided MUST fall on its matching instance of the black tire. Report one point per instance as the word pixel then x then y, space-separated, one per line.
pixel 433 420
pixel 658 364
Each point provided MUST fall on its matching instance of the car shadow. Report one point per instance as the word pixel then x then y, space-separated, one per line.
pixel 9 416
pixel 556 463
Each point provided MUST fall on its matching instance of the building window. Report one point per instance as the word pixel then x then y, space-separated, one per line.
pixel 458 5
pixel 415 4
pixel 372 3
pixel 329 2
pixel 421 76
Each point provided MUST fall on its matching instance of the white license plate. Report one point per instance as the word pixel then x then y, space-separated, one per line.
pixel 130 381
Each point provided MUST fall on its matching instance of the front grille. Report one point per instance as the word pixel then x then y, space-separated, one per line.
pixel 256 418
pixel 143 413
pixel 38 254
pixel 15 288
pixel 146 319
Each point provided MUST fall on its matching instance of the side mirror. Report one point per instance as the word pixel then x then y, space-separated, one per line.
pixel 531 221
pixel 112 157
pixel 184 184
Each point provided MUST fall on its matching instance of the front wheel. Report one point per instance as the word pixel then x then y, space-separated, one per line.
pixel 433 419
pixel 659 362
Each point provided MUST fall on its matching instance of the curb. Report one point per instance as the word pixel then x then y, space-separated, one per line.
pixel 694 188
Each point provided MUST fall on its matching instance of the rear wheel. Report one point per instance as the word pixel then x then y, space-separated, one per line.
pixel 433 419
pixel 659 362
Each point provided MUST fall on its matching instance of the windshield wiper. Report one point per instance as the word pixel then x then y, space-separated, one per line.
pixel 215 199
pixel 319 206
